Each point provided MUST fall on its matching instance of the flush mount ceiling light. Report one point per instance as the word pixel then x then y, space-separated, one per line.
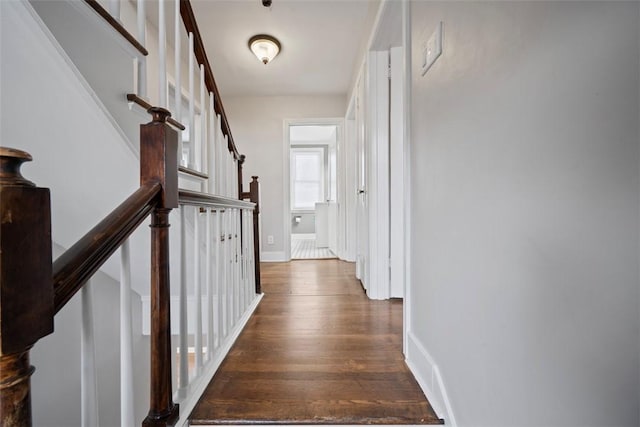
pixel 264 47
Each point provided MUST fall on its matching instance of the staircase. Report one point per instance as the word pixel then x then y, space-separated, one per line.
pixel 97 110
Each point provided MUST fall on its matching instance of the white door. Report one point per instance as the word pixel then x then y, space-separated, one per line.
pixel 396 169
pixel 362 207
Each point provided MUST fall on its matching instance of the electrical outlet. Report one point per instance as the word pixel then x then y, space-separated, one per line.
pixel 432 49
pixel 269 240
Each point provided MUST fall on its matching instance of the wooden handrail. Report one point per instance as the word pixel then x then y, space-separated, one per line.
pixel 195 198
pixel 74 267
pixel 190 24
pixel 116 25
pixel 132 97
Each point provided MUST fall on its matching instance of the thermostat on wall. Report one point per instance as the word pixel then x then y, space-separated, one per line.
pixel 432 49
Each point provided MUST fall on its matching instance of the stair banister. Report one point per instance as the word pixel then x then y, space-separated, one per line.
pixel 34 293
pixel 159 163
pixel 32 289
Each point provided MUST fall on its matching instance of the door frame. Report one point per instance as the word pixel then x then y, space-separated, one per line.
pixel 286 153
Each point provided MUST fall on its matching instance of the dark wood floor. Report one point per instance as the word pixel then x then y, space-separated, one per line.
pixel 316 351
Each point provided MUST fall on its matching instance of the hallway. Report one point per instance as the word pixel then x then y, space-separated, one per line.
pixel 316 351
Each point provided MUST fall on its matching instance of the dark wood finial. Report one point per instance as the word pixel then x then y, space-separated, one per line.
pixel 242 158
pixel 255 178
pixel 11 160
pixel 159 114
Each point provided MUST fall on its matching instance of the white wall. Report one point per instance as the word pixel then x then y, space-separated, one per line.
pixel 257 124
pixel 525 195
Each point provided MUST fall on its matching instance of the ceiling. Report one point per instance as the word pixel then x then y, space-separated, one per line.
pixel 309 134
pixel 321 42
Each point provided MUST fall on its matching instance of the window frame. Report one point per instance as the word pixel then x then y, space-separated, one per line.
pixel 320 153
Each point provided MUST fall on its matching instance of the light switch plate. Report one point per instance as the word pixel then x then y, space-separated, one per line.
pixel 432 49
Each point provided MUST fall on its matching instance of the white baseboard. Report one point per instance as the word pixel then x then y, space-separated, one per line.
pixel 200 384
pixel 273 257
pixel 429 378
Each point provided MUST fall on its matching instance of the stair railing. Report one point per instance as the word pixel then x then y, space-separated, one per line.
pixel 32 289
pixel 225 263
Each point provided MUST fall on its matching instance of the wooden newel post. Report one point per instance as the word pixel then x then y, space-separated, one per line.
pixel 254 196
pixel 159 163
pixel 26 284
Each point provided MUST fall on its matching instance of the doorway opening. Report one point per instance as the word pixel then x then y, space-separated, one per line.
pixel 313 211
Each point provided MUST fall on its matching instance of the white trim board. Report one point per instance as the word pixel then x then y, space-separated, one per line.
pixel 428 376
pixel 273 257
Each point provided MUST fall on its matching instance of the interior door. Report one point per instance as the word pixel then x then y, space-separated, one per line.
pixel 396 169
pixel 362 207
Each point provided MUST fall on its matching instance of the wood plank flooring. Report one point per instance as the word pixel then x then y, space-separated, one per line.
pixel 316 351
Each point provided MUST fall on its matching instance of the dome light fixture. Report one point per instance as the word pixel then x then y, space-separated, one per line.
pixel 264 47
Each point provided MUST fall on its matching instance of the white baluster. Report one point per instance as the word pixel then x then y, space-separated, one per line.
pixel 243 290
pixel 197 289
pixel 247 263
pixel 231 277
pixel 227 275
pixel 192 106
pixel 243 294
pixel 211 147
pixel 88 377
pixel 184 355
pixel 162 54
pixel 127 404
pixel 241 251
pixel 234 177
pixel 236 188
pixel 250 272
pixel 245 250
pixel 234 272
pixel 142 39
pixel 203 122
pixel 228 170
pixel 209 283
pixel 218 279
pixel 252 277
pixel 221 157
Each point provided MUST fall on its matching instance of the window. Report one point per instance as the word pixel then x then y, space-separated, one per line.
pixel 307 178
